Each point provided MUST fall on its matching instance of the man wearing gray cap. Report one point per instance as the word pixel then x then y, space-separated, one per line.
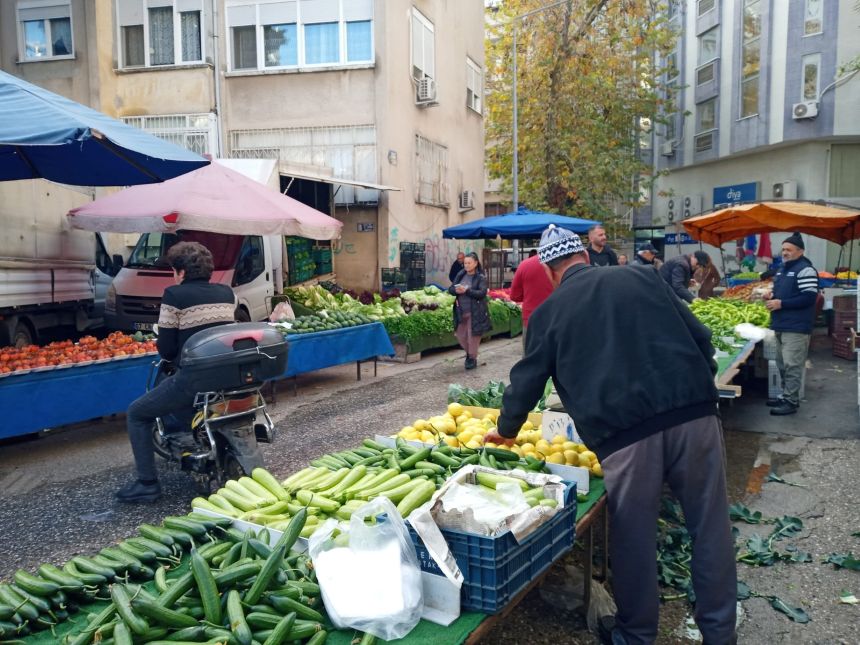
pixel 646 403
pixel 792 315
pixel 645 255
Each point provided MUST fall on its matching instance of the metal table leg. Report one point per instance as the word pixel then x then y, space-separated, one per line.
pixel 587 569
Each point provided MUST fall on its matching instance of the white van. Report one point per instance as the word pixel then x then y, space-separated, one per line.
pixel 251 264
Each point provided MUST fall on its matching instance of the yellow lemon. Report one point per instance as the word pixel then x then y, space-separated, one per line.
pixel 474 444
pixel 527 447
pixel 571 457
pixel 528 425
pixel 490 444
pixel 420 424
pixel 597 470
pixel 558 439
pixel 450 427
pixel 539 455
pixel 536 436
pixel 465 436
pixel 555 458
pixel 580 447
pixel 556 448
pixel 569 445
pixel 427 436
pixel 451 441
pixel 413 436
pixel 406 430
pixel 455 409
pixel 462 418
pixel 543 445
pixel 588 455
pixel 517 450
pixel 504 446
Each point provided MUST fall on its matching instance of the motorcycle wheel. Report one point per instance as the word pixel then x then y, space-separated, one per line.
pixel 230 468
pixel 160 448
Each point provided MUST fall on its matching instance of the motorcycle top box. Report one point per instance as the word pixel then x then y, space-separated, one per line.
pixel 234 356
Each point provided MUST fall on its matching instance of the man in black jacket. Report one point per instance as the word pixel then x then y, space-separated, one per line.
pixel 645 255
pixel 646 403
pixel 792 314
pixel 678 272
pixel 600 254
pixel 192 305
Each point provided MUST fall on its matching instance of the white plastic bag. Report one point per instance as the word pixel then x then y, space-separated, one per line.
pixel 369 574
pixel 283 312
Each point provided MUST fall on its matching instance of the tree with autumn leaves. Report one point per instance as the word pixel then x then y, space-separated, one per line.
pixel 590 85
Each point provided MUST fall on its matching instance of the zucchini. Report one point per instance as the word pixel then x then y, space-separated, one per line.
pixel 237 500
pixel 313 499
pixel 156 533
pixel 34 584
pixel 207 588
pixel 420 494
pixel 273 563
pixel 206 505
pixel 209 521
pixel 122 634
pixel 123 607
pixel 92 579
pixel 162 615
pixel 184 524
pixel 62 578
pixel 238 624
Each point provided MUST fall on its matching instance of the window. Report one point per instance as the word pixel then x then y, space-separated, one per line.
pixel 423 47
pixel 706 116
pixel 670 131
pixel 162 33
pixel 672 66
pixel 750 57
pixel 359 41
pixel 705 6
pixel 812 21
pixel 45 29
pixel 281 45
pixel 322 43
pixel 811 66
pixel 432 170
pixel 709 45
pixel 251 262
pixel 474 85
pixel 195 132
pixel 299 33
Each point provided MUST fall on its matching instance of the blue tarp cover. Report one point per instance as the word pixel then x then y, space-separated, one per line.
pixel 310 352
pixel 523 223
pixel 46 135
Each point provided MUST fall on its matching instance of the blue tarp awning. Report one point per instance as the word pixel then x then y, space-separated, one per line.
pixel 45 135
pixel 523 223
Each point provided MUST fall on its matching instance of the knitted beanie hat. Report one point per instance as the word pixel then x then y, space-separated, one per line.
pixel 557 243
pixel 795 239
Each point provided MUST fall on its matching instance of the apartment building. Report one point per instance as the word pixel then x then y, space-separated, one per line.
pixel 762 111
pixel 372 108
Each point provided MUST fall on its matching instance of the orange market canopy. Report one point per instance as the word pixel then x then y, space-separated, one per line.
pixel 838 224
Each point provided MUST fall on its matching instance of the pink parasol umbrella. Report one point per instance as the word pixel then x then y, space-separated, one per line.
pixel 213 198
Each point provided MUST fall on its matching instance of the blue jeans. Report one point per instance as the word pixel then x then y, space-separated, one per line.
pixel 168 396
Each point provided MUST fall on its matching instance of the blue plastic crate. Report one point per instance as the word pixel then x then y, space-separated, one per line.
pixel 496 569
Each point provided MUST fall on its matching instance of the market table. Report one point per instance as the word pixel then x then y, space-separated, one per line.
pixel 321 349
pixel 729 366
pixel 42 399
pixel 470 627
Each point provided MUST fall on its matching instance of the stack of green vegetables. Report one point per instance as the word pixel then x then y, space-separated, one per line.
pixel 722 316
pixel 490 396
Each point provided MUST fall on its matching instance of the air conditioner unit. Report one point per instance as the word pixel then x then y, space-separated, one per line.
pixel 692 205
pixel 667 149
pixel 805 110
pixel 426 90
pixel 467 200
pixel 785 190
pixel 671 210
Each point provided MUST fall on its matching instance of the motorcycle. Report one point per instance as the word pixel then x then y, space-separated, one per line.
pixel 227 366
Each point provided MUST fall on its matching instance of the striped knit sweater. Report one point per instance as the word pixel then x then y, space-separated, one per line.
pixel 188 308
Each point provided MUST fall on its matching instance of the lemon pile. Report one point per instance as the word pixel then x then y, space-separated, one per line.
pixel 459 428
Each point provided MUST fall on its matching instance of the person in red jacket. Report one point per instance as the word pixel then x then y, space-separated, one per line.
pixel 530 287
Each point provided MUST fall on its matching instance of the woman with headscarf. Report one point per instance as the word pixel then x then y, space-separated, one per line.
pixel 471 311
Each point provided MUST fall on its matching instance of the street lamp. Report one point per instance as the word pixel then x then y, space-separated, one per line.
pixel 523 16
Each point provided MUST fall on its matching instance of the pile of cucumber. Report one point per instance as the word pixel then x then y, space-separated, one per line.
pixel 40 600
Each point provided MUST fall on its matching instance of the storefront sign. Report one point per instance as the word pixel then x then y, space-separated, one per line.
pixel 728 195
pixel 672 238
pixel 366 227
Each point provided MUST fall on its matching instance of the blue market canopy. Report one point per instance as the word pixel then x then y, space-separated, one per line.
pixel 523 223
pixel 45 135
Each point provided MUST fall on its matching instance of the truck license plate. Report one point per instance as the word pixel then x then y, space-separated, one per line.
pixel 142 326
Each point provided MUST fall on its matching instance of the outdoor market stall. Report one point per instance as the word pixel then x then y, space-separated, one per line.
pixel 264 601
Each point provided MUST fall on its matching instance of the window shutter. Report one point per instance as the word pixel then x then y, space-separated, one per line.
pixel 44 13
pixel 277 13
pixel 130 13
pixel 241 16
pixel 358 10
pixel 320 11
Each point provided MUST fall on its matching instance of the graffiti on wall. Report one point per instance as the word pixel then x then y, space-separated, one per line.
pixel 338 247
pixel 439 254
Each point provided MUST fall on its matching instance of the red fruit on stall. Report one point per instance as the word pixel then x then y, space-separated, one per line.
pixel 64 352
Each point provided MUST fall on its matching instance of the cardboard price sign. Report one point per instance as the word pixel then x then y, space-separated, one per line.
pixel 559 423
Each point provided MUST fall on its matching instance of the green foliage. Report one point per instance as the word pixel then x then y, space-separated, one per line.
pixel 590 86
pixel 420 324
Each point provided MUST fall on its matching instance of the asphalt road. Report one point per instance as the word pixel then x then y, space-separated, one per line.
pixel 56 492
